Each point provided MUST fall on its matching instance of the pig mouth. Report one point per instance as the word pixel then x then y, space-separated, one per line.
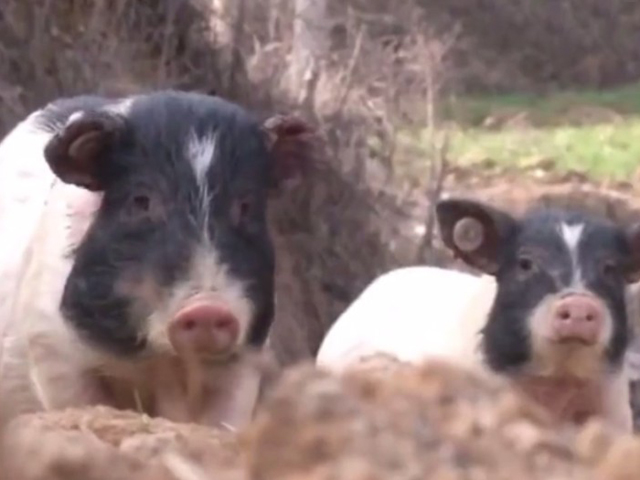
pixel 220 358
pixel 572 342
pixel 209 358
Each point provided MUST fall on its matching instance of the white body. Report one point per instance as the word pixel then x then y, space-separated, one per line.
pixel 394 315
pixel 43 364
pixel 418 313
pixel 39 353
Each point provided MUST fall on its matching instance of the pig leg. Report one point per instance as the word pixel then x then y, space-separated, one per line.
pixel 233 402
pixel 39 375
pixel 168 391
pixel 51 361
pixel 58 377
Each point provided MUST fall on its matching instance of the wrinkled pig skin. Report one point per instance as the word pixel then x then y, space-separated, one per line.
pixel 550 310
pixel 136 263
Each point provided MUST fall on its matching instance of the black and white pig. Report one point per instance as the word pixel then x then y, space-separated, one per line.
pixel 136 262
pixel 550 312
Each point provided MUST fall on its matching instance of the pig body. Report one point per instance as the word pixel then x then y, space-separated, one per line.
pixel 392 316
pixel 549 312
pixel 136 267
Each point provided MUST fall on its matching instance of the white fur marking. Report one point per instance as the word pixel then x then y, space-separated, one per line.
pixel 201 151
pixel 571 234
pixel 123 107
pixel 74 117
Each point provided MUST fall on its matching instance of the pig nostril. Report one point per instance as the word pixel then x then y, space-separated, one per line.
pixel 224 324
pixel 565 315
pixel 189 325
pixel 589 318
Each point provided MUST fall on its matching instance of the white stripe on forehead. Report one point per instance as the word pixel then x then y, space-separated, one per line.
pixel 200 153
pixel 571 235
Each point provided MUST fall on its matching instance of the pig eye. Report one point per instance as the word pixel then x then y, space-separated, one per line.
pixel 141 203
pixel 241 210
pixel 526 264
pixel 608 268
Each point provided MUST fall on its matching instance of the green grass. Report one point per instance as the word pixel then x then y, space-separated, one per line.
pixel 593 132
pixel 602 150
pixel 544 110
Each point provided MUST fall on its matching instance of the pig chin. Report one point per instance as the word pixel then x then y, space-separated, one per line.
pixel 553 356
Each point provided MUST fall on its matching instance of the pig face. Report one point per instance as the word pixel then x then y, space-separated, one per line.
pixel 561 279
pixel 177 256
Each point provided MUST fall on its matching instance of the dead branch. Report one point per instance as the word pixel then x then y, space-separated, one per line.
pixel 348 82
pixel 438 170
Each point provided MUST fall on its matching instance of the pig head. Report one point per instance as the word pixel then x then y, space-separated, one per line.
pixel 559 322
pixel 149 277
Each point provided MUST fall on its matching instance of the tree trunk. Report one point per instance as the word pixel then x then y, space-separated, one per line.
pixel 225 16
pixel 310 47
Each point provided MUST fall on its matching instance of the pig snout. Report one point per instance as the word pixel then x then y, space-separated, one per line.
pixel 204 328
pixel 577 318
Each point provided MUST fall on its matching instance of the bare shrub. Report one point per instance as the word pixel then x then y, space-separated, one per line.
pixel 370 84
pixel 542 44
pixel 51 49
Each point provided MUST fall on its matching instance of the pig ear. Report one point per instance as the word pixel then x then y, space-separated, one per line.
pixel 76 154
pixel 475 232
pixel 632 267
pixel 294 149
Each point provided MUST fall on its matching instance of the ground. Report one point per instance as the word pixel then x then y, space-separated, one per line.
pixel 382 420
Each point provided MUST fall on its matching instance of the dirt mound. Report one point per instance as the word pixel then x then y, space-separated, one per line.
pixel 394 421
pixel 102 443
pixel 384 419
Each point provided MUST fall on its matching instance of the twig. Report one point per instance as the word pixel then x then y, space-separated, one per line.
pixel 348 84
pixel 438 172
pixel 236 46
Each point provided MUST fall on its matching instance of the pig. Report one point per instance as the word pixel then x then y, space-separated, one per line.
pixel 136 262
pixel 549 310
